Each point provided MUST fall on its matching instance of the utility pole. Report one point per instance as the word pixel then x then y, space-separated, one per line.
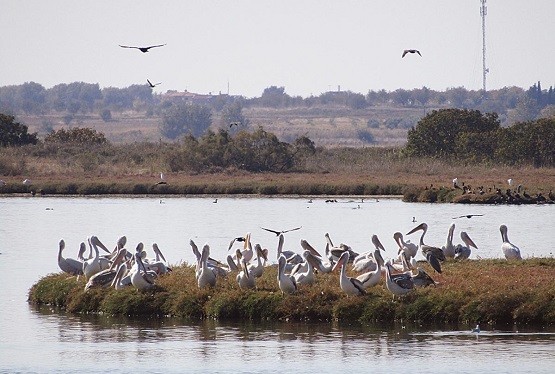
pixel 483 12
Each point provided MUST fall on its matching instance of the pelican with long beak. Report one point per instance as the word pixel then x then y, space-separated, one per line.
pixel 292 258
pixel 398 284
pixel 140 277
pixel 511 251
pixel 408 248
pixel 261 258
pixel 372 278
pixel 422 279
pixel 306 276
pixel 245 279
pixel 105 277
pixel 67 264
pixel 462 252
pixel 206 276
pixel 351 286
pixel 121 272
pixel 317 260
pixel 92 265
pixel 449 248
pixel 286 283
pixel 433 254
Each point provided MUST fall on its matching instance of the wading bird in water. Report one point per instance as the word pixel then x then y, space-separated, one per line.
pixel 142 49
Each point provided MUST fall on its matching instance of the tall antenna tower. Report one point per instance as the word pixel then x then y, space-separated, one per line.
pixel 483 12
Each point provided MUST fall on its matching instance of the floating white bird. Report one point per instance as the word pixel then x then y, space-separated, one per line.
pixel 349 285
pixel 510 250
pixel 286 283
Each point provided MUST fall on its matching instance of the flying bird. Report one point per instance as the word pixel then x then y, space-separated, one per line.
pixel 411 51
pixel 153 85
pixel 234 124
pixel 142 49
pixel 468 216
pixel 280 232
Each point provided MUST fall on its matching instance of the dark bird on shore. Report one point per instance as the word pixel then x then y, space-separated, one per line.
pixel 142 49
pixel 281 232
pixel 468 216
pixel 152 85
pixel 411 51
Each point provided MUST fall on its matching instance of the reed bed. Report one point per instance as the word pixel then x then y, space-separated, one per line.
pixel 469 292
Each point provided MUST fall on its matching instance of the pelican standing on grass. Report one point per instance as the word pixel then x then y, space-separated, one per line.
pixel 398 284
pixel 462 251
pixel 510 250
pixel 69 265
pixel 449 248
pixel 245 279
pixel 286 283
pixel 351 286
pixel 372 278
pixel 433 254
pixel 206 276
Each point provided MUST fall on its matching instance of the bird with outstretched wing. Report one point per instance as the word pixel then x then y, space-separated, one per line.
pixel 281 232
pixel 142 49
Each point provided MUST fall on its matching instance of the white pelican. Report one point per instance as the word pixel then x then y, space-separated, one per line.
pixel 206 276
pixel 117 282
pixel 462 252
pixel 336 252
pixel 510 250
pixel 433 254
pixel 245 279
pixel 261 258
pixel 140 277
pixel 69 265
pixel 92 265
pixel 410 249
pixel 317 260
pixel 306 276
pixel 371 278
pixel 105 277
pixel 351 286
pixel 449 248
pixel 247 253
pixel 287 283
pixel 291 257
pixel 398 284
pixel 158 264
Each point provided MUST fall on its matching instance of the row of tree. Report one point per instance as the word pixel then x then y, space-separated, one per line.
pixel 80 97
pixel 469 135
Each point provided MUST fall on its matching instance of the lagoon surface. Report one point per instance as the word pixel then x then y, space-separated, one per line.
pixel 41 340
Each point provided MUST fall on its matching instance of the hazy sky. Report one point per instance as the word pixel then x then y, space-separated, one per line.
pixel 307 46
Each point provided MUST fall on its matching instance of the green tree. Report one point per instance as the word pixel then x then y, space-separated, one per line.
pixel 14 133
pixel 183 118
pixel 440 133
pixel 273 96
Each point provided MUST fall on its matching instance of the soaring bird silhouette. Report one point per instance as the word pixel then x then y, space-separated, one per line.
pixel 411 51
pixel 153 85
pixel 234 124
pixel 142 49
pixel 281 232
pixel 468 216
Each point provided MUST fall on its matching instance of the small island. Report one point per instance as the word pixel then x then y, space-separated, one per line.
pixel 492 291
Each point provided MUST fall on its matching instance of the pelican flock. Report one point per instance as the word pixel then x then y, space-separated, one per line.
pixel 297 267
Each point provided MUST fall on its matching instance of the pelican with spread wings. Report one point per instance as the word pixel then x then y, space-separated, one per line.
pixel 142 49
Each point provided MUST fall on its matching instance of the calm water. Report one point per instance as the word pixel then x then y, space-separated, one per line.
pixel 42 341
